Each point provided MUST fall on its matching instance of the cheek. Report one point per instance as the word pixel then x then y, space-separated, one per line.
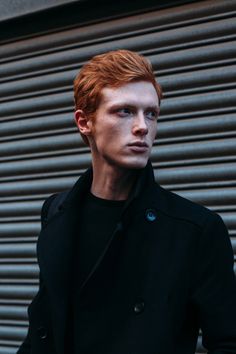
pixel 108 138
pixel 153 131
pixel 116 132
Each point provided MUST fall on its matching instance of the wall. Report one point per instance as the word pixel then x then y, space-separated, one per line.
pixel 192 48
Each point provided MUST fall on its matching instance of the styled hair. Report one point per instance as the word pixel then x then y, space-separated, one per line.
pixel 111 69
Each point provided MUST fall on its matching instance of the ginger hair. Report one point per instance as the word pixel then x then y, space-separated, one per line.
pixel 111 69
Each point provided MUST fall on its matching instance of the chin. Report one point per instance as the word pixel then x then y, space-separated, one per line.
pixel 135 164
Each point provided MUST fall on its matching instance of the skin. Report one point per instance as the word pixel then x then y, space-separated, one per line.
pixel 120 137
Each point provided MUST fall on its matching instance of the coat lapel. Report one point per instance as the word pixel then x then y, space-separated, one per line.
pixel 143 176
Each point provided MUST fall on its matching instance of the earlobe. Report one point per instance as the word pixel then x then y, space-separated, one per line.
pixel 82 122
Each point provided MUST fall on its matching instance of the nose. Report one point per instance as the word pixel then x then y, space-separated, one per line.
pixel 139 125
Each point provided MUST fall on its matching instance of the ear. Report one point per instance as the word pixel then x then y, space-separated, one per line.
pixel 82 122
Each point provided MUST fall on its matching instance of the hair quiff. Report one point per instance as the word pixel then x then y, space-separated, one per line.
pixel 111 69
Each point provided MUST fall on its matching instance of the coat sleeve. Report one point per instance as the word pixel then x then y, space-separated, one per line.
pixel 215 288
pixel 25 347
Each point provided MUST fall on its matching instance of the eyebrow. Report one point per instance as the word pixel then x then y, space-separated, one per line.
pixel 132 105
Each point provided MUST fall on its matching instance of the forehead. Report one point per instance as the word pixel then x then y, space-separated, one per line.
pixel 139 93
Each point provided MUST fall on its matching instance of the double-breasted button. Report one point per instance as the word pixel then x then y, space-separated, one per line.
pixel 42 332
pixel 151 215
pixel 139 307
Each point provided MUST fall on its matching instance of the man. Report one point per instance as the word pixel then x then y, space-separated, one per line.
pixel 127 267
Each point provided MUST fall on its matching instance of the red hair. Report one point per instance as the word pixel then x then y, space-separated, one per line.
pixel 111 69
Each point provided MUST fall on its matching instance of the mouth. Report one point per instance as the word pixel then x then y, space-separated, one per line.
pixel 139 143
pixel 138 146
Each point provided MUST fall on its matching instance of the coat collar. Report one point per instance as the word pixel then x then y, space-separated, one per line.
pixel 55 247
pixel 145 180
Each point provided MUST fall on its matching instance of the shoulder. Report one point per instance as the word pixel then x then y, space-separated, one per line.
pixel 45 207
pixel 52 205
pixel 195 219
pixel 180 208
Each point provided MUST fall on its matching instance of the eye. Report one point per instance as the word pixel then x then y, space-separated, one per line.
pixel 124 112
pixel 151 114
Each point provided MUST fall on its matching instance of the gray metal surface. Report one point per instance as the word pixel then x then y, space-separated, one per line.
pixel 193 49
pixel 15 8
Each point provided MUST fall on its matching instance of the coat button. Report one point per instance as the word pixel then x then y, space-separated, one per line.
pixel 139 307
pixel 151 215
pixel 42 332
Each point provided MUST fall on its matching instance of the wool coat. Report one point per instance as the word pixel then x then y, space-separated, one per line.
pixel 165 273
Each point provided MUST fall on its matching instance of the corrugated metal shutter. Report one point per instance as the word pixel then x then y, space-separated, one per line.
pixel 192 47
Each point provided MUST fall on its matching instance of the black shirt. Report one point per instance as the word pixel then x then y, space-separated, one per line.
pixel 97 221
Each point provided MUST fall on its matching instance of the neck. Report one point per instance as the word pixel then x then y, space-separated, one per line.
pixel 112 183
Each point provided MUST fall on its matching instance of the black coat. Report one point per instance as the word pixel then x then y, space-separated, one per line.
pixel 171 274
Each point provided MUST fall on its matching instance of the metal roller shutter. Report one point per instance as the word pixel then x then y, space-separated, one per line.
pixel 193 49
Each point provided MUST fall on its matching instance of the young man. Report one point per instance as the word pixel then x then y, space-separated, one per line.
pixel 127 267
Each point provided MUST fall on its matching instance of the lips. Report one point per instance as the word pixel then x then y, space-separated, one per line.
pixel 138 146
pixel 139 143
